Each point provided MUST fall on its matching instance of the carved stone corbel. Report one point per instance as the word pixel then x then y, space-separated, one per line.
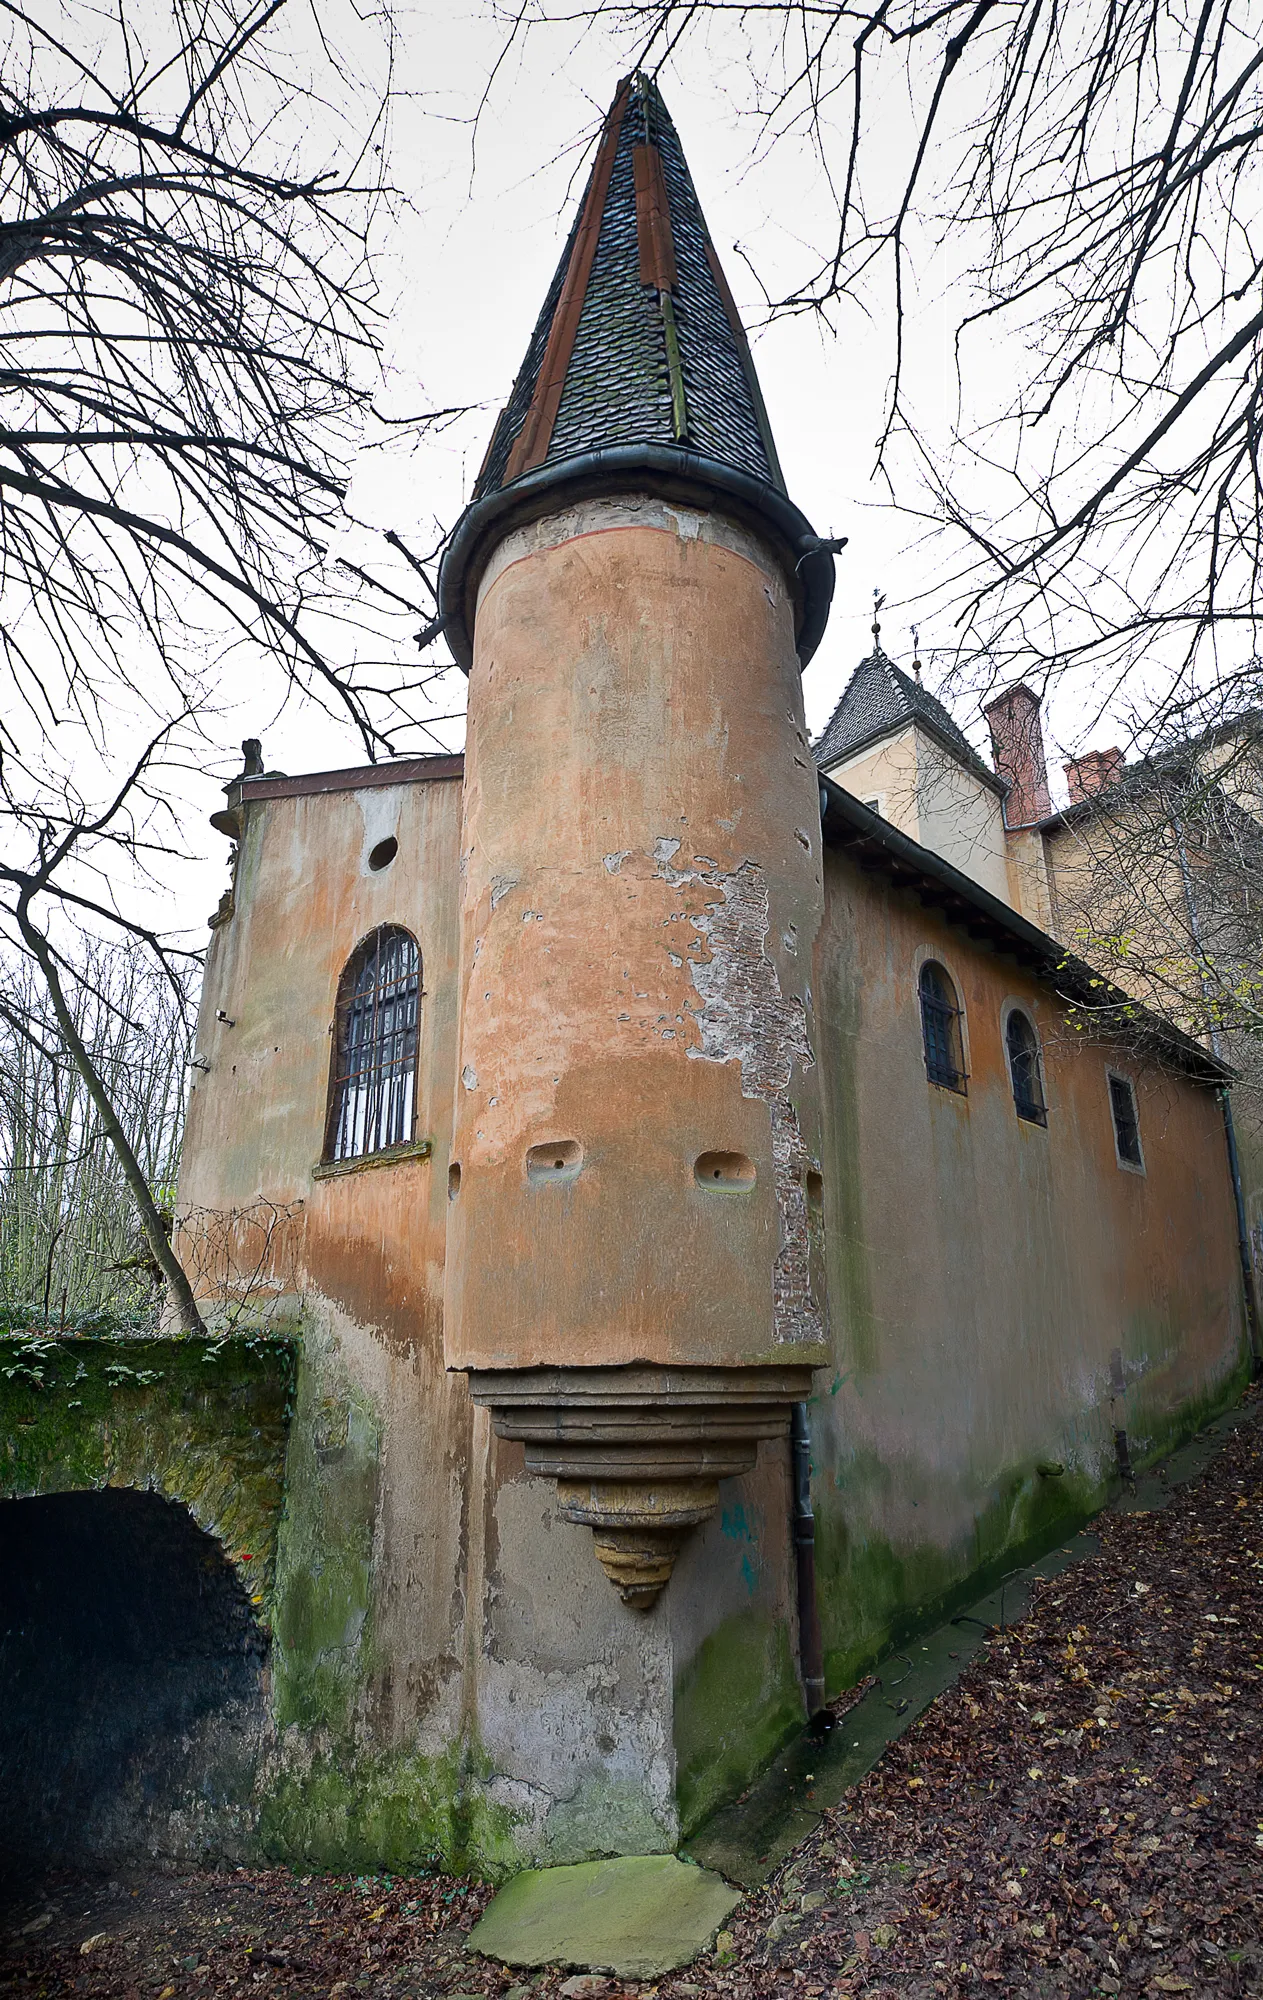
pixel 638 1451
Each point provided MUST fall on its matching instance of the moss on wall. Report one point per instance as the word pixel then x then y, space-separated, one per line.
pixel 322 1623
pixel 399 1811
pixel 202 1421
pixel 736 1702
pixel 875 1593
pixel 1155 1429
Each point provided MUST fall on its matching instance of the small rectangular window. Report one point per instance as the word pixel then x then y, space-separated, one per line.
pixel 1126 1123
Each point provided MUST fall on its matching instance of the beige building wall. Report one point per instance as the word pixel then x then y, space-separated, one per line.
pixel 1030 878
pixel 936 800
pixel 449 1659
pixel 960 817
pixel 984 1270
pixel 884 776
pixel 640 890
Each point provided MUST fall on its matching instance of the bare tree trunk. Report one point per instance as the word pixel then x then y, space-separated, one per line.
pixel 151 1219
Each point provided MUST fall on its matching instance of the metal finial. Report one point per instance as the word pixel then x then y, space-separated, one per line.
pixel 879 598
pixel 916 649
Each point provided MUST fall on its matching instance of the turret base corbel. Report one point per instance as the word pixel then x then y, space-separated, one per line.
pixel 638 1451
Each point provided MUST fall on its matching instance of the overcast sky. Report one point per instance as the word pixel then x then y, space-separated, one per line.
pixel 469 263
pixel 490 170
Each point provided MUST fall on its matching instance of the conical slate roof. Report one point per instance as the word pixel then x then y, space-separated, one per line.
pixel 639 341
pixel 879 699
pixel 638 374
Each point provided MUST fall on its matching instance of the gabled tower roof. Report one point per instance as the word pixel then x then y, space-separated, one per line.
pixel 638 373
pixel 880 699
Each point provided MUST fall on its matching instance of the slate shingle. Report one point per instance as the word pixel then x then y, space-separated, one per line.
pixel 880 698
pixel 617 387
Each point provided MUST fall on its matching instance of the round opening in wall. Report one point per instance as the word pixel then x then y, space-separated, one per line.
pixel 556 1160
pixel 728 1173
pixel 453 1180
pixel 383 854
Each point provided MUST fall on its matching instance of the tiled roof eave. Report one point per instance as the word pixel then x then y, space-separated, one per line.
pixel 672 471
pixel 878 847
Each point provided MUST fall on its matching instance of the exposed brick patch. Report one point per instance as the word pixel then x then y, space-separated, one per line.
pixel 745 1014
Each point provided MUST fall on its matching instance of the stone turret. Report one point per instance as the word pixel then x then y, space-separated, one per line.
pixel 634 1267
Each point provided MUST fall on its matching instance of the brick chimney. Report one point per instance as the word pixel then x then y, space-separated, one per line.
pixel 1092 773
pixel 1017 743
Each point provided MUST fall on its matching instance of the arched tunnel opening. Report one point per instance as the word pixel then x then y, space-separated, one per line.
pixel 132 1683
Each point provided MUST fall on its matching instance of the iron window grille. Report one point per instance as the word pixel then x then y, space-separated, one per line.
pixel 1126 1122
pixel 373 1101
pixel 940 1029
pixel 1028 1087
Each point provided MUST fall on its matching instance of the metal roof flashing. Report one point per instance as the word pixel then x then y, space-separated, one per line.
pixel 435 766
pixel 668 472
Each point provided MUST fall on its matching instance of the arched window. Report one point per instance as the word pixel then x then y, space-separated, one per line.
pixel 1028 1088
pixel 940 1028
pixel 373 1101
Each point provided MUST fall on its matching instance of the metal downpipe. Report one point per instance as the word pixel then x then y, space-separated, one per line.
pixel 1243 1238
pixel 810 1641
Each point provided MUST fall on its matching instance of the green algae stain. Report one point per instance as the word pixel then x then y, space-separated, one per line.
pixel 736 1703
pixel 322 1656
pixel 1155 1429
pixel 399 1811
pixel 204 1422
pixel 876 1593
pixel 846 1249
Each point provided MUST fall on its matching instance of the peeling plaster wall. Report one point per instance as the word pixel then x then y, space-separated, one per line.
pixel 745 1016
pixel 375 1760
pixel 639 881
pixel 640 895
pixel 983 1270
pixel 452 1674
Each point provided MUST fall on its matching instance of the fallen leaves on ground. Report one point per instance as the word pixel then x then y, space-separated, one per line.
pixel 1081 1814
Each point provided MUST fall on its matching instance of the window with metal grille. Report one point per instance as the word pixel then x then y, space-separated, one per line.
pixel 373 1102
pixel 940 1028
pixel 1126 1123
pixel 1028 1087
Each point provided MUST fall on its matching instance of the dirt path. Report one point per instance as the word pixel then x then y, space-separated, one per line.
pixel 1082 1814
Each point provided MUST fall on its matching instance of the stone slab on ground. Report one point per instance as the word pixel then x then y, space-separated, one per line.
pixel 638 1916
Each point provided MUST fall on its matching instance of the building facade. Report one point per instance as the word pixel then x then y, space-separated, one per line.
pixel 1152 871
pixel 611 1112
